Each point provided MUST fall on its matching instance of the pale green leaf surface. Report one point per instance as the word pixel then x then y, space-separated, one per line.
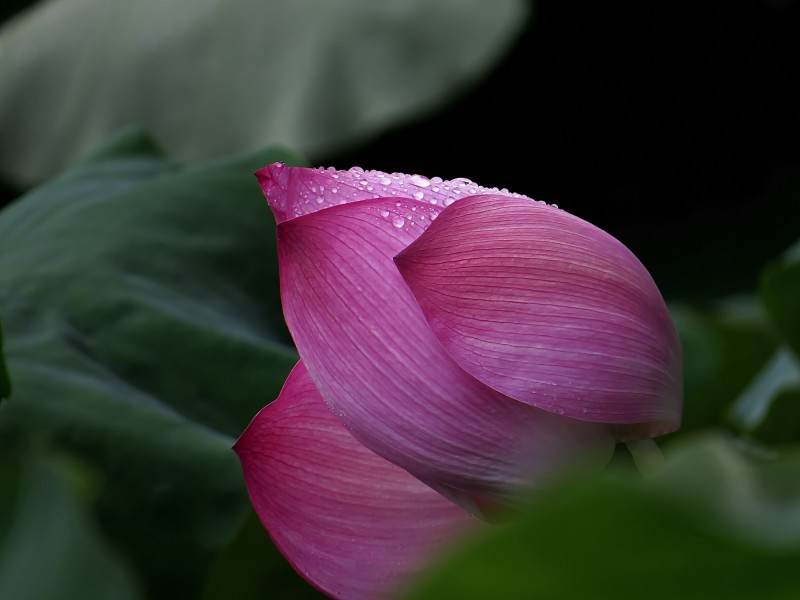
pixel 212 77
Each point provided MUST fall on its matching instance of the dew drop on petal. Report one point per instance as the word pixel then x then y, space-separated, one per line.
pixel 419 181
pixel 398 221
pixel 418 195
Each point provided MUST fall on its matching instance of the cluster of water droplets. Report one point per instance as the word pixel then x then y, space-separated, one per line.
pixel 407 215
pixel 340 187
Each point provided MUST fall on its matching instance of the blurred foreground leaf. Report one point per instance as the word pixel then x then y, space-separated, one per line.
pixel 711 524
pixel 143 331
pixel 212 77
pixel 49 547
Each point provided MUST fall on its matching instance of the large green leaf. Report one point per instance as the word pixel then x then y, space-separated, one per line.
pixel 211 77
pixel 49 547
pixel 711 524
pixel 143 331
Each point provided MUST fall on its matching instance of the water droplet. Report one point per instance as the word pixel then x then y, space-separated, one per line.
pixel 320 199
pixel 314 189
pixel 398 221
pixel 384 213
pixel 418 195
pixel 449 201
pixel 384 180
pixel 334 190
pixel 419 181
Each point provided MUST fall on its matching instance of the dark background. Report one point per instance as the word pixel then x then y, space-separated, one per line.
pixel 671 125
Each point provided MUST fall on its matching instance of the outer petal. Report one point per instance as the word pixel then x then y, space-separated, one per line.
pixel 293 192
pixel 353 524
pixel 550 310
pixel 376 362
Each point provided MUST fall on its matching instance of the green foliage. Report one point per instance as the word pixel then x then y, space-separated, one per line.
pixel 50 548
pixel 712 523
pixel 211 77
pixel 780 292
pixel 143 331
pixel 5 383
pixel 253 566
pixel 781 424
pixel 725 346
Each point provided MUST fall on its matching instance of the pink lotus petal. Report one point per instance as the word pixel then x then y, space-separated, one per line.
pixel 550 310
pixel 353 524
pixel 376 362
pixel 293 192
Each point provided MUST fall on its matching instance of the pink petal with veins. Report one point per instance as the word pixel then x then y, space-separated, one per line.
pixel 550 310
pixel 353 524
pixel 376 362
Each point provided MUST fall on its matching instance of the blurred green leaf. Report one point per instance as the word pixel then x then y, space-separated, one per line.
pixel 711 524
pixel 754 406
pixel 725 347
pixel 781 424
pixel 143 331
pixel 50 548
pixel 5 383
pixel 780 293
pixel 212 77
pixel 253 567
